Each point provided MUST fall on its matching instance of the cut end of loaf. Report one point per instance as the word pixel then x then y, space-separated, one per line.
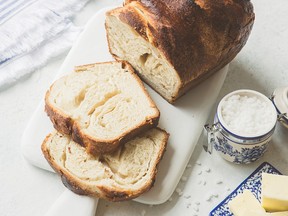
pixel 176 45
pixel 101 106
pixel 127 44
pixel 122 175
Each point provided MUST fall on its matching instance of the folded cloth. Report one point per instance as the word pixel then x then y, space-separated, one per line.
pixel 32 32
pixel 9 8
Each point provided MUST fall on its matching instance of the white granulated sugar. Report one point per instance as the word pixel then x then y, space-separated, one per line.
pixel 211 196
pixel 196 209
pixel 208 170
pixel 247 115
pixel 219 182
pixel 179 191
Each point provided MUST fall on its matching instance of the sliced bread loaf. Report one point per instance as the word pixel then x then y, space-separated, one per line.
pixel 176 44
pixel 121 175
pixel 101 105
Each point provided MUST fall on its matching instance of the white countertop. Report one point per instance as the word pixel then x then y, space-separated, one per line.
pixel 262 65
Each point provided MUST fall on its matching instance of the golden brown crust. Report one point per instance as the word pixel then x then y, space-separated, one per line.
pixel 66 125
pixel 197 37
pixel 60 120
pixel 76 185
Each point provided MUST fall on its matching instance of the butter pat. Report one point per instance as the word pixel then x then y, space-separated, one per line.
pixel 278 214
pixel 255 213
pixel 246 204
pixel 251 212
pixel 274 192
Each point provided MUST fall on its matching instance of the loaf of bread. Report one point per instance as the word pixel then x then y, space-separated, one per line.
pixel 121 175
pixel 174 45
pixel 101 106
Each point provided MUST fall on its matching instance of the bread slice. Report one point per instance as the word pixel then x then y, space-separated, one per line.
pixel 122 175
pixel 101 105
pixel 174 45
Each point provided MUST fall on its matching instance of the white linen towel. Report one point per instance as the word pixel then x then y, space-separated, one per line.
pixel 32 32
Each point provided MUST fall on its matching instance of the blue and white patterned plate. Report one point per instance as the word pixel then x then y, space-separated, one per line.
pixel 252 183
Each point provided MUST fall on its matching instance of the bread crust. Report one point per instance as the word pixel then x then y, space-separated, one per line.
pixel 66 125
pixel 197 37
pixel 76 185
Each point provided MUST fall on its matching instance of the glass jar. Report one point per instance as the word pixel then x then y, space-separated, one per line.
pixel 238 146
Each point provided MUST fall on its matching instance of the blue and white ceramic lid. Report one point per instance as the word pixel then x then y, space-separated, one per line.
pixel 280 100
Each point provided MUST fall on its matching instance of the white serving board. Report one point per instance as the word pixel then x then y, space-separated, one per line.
pixel 183 120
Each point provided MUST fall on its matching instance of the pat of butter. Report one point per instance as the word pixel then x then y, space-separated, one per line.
pixel 255 213
pixel 278 214
pixel 274 192
pixel 246 204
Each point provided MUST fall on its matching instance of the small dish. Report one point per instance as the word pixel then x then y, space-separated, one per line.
pixel 252 183
pixel 241 145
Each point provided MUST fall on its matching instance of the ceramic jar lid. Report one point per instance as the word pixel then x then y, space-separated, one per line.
pixel 280 100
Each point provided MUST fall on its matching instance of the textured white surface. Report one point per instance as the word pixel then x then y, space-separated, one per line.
pixel 262 65
pixel 68 198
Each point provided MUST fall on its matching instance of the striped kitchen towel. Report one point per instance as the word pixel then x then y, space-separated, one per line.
pixel 32 32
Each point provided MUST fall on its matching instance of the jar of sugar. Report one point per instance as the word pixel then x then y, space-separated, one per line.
pixel 243 125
